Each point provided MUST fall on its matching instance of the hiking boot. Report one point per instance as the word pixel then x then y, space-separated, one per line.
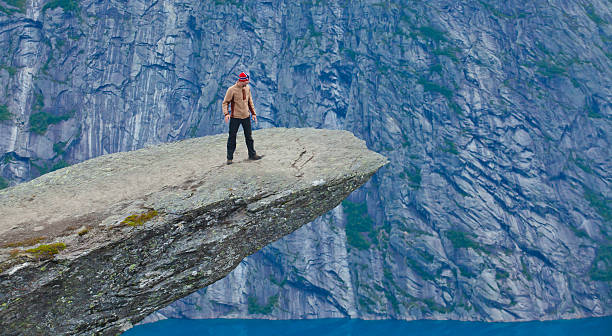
pixel 255 157
pixel 229 162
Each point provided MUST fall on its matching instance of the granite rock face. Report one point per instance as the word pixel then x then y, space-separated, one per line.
pixel 496 204
pixel 96 247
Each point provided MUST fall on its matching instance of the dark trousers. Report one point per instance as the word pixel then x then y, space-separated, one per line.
pixel 233 130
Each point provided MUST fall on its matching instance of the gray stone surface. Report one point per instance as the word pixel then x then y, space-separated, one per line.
pixel 210 216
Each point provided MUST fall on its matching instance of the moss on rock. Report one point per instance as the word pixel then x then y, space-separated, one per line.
pixel 46 251
pixel 137 220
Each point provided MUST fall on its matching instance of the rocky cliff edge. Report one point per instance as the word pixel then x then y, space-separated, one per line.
pixel 95 247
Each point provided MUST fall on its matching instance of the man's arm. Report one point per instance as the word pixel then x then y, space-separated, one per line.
pixel 226 101
pixel 251 105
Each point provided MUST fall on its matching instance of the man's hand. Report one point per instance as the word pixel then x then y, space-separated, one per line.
pixel 227 118
pixel 254 118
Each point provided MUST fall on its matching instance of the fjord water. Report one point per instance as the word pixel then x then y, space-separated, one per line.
pixel 345 327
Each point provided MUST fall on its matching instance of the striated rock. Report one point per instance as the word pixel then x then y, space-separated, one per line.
pixel 496 119
pixel 96 247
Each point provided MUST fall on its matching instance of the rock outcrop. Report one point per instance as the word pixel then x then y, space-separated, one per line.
pixel 96 247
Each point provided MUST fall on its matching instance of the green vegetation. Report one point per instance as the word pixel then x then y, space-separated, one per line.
pixel 455 107
pixel 460 239
pixel 66 5
pixel 418 269
pixel 75 37
pixel 549 69
pixel 382 67
pixel 11 69
pixel 357 222
pixel 428 257
pixel 433 306
pixel 313 32
pixel 366 303
pixel 448 52
pixel 41 169
pixel 193 130
pixel 558 64
pixel 40 121
pixel 3 183
pixel 137 220
pixel 59 165
pixel 413 175
pixel 405 141
pixel 46 251
pixel 601 270
pixel 392 299
pixel 437 68
pixel 525 271
pixel 45 68
pixel 599 203
pixel 582 164
pixel 312 38
pixel 450 147
pixel 351 54
pixel 466 272
pixel 383 5
pixel 6 10
pixel 432 33
pixel 278 283
pixel 39 101
pixel 255 308
pixel 388 274
pixel 433 87
pixel 542 48
pixel 45 168
pixel 501 274
pixel 229 2
pixel 59 147
pixel 25 242
pixel 579 233
pixel 4 113
pixel 59 43
pixel 20 4
pixel 373 235
pixel 496 11
pixel 590 11
pixel 593 112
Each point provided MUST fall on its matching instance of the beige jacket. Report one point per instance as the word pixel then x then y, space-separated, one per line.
pixel 241 101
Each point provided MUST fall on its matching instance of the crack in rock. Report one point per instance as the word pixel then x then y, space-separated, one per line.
pixel 299 172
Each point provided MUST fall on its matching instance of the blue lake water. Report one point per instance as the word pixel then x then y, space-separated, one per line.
pixel 341 327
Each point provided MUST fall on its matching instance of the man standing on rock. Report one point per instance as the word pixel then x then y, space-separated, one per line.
pixel 239 95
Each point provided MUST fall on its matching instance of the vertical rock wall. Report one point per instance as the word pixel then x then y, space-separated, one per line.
pixel 496 119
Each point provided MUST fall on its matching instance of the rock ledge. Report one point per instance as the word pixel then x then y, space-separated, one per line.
pixel 97 246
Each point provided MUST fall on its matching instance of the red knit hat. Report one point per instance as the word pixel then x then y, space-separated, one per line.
pixel 243 77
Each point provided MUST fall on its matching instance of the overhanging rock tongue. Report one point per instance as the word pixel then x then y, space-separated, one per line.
pixel 97 246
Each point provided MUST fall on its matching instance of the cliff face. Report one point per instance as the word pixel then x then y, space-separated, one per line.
pixel 158 224
pixel 496 121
